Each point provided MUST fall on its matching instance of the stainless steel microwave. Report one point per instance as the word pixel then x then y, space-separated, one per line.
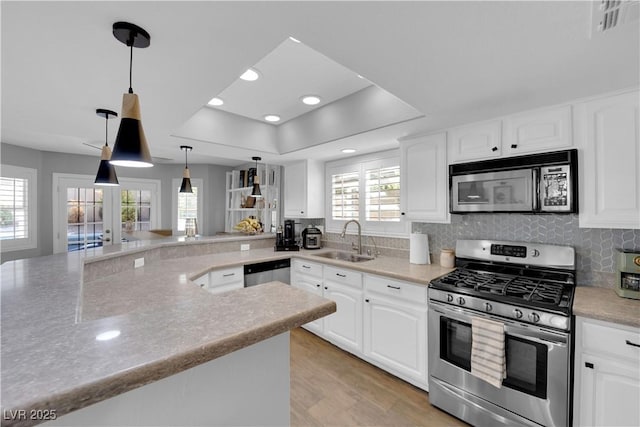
pixel 535 183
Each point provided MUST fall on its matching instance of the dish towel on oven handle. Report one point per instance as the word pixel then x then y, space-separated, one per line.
pixel 488 360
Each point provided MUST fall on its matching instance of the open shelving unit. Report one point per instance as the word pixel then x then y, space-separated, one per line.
pixel 265 209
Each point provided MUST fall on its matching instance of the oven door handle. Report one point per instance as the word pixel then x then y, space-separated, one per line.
pixel 556 342
pixel 532 333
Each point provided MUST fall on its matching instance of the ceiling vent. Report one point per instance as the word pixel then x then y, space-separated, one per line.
pixel 609 14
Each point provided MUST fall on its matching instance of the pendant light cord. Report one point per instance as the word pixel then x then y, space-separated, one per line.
pixel 106 130
pixel 131 66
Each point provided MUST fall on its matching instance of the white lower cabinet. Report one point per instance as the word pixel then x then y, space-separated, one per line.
pixel 380 320
pixel 344 327
pixel 307 276
pixel 218 281
pixel 395 328
pixel 607 374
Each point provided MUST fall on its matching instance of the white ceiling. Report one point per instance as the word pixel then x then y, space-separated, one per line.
pixel 455 62
pixel 287 73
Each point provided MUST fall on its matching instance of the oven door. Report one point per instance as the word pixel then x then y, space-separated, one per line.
pixel 536 387
pixel 502 191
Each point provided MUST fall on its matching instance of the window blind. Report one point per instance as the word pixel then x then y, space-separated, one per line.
pixel 345 196
pixel 382 187
pixel 14 209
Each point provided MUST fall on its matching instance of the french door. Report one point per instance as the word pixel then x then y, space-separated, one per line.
pixel 86 216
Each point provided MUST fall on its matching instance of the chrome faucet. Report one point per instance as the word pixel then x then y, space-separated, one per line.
pixel 344 230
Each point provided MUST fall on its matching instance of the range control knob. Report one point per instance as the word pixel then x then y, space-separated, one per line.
pixel 449 298
pixel 488 306
pixel 535 253
pixel 534 317
pixel 517 313
pixel 460 300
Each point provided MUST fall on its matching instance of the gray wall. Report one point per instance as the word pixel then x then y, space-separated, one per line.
pixel 48 162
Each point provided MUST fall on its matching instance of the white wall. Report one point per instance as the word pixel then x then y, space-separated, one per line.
pixel 48 162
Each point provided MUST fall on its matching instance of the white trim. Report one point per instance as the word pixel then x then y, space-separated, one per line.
pixel 31 175
pixel 175 184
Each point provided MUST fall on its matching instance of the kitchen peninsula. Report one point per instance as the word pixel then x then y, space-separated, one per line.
pixel 147 344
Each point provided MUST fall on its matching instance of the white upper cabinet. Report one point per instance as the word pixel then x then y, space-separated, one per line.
pixel 536 131
pixel 607 133
pixel 423 178
pixel 478 141
pixel 304 189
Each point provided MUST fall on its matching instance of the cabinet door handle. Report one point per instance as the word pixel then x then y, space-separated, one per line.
pixel 514 145
pixel 494 149
pixel 367 300
pixel 393 287
pixel 305 266
pixel 402 213
pixel 588 365
pixel 326 288
pixel 228 274
pixel 317 286
pixel 341 275
pixel 632 343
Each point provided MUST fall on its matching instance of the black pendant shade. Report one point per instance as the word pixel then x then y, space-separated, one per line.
pixel 255 192
pixel 131 148
pixel 185 187
pixel 106 175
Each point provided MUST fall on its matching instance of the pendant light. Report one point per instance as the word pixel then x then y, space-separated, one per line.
pixel 131 148
pixel 106 171
pixel 186 176
pixel 256 181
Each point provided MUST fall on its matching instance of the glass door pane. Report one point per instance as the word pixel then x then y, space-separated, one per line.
pixel 84 208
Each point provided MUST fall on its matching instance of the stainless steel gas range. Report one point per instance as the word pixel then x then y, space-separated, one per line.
pixel 526 287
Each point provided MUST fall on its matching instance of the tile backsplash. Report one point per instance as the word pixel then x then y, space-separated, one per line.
pixel 594 247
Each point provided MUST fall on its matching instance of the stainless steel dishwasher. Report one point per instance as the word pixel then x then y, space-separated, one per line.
pixel 264 272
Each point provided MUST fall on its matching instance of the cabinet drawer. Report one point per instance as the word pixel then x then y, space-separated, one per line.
pixel 306 267
pixel 227 275
pixel 396 288
pixel 622 341
pixel 341 275
pixel 224 287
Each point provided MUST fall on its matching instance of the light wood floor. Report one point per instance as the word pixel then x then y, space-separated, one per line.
pixel 330 387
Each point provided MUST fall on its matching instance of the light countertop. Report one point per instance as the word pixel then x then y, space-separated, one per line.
pixel 605 304
pixel 51 358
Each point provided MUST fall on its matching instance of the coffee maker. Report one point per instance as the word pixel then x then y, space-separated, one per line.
pixel 286 239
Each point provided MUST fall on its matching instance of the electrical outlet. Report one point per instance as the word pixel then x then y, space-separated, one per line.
pixel 138 262
pixel 245 247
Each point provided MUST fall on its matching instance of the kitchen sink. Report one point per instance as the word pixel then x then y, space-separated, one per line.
pixel 344 256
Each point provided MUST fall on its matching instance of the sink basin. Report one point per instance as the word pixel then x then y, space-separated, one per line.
pixel 344 256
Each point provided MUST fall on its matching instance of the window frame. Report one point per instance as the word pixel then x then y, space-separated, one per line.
pixel 31 175
pixel 361 164
pixel 175 189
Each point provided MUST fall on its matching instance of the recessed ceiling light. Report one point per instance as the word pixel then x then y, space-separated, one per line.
pixel 250 75
pixel 272 118
pixel 311 99
pixel 216 102
pixel 359 76
pixel 294 40
pixel 348 150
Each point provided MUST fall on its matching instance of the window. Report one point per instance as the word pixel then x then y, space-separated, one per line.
pixel 383 194
pixel 345 195
pixel 366 188
pixel 135 210
pixel 85 208
pixel 18 213
pixel 187 205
